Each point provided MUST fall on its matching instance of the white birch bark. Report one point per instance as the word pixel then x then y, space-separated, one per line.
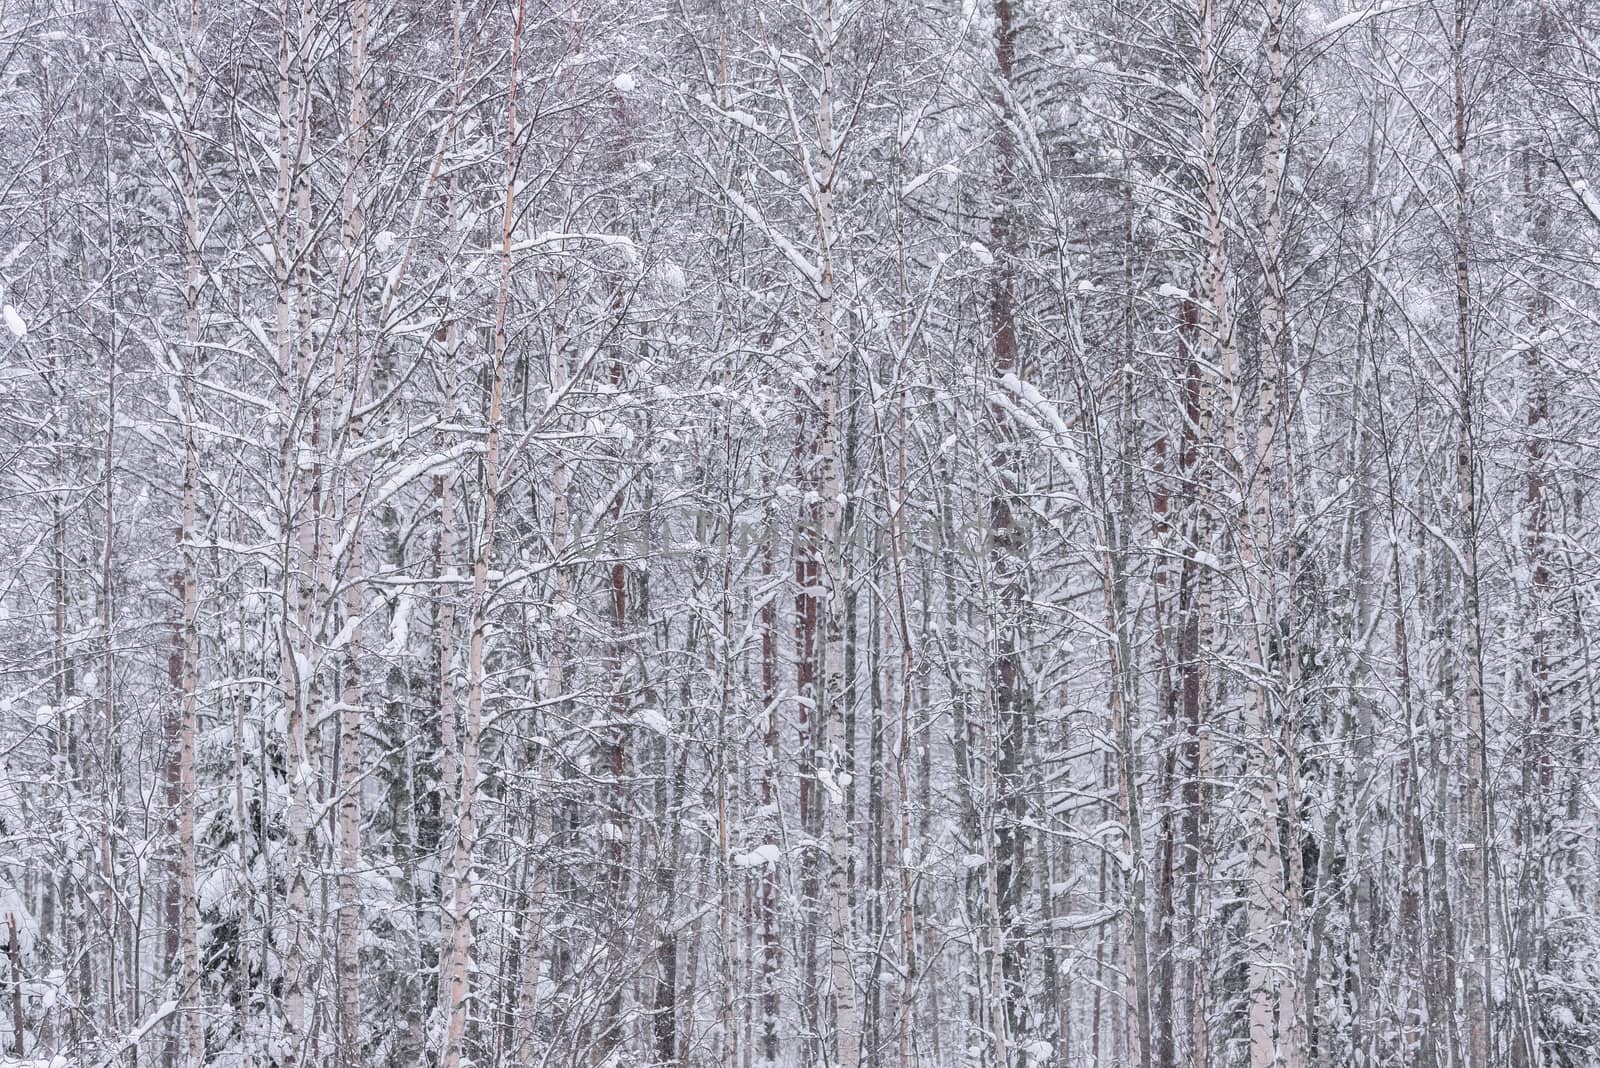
pixel 1273 973
pixel 296 561
pixel 466 831
pixel 1477 978
pixel 193 1038
pixel 348 372
pixel 830 486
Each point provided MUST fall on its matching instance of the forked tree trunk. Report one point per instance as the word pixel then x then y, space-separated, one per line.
pixel 297 556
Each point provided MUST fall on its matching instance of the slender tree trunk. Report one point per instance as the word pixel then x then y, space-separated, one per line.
pixel 297 557
pixel 14 956
pixel 347 361
pixel 193 1041
pixel 771 944
pixel 1273 977
pixel 1477 979
pixel 466 841
pixel 831 711
pixel 1009 540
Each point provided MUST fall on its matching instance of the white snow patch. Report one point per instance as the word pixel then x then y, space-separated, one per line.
pixel 766 855
pixel 399 628
pixel 624 83
pixel 670 277
pixel 1344 22
pixel 652 719
pixel 927 176
pixel 14 321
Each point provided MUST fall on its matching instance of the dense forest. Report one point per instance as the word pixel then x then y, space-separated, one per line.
pixel 807 533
